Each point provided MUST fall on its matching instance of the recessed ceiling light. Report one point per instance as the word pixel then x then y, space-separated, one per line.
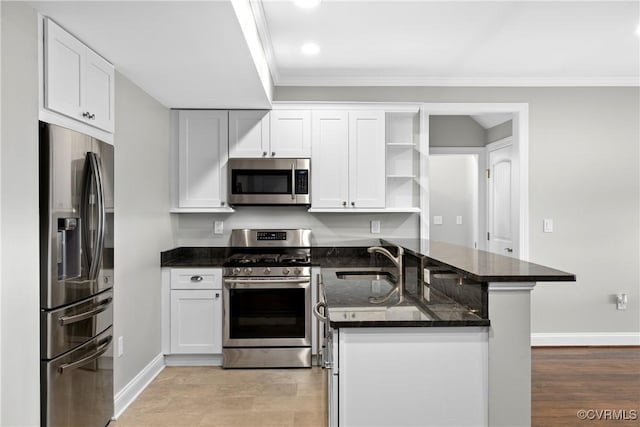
pixel 310 48
pixel 306 4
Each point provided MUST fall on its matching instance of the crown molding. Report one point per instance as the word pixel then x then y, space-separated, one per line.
pixel 257 8
pixel 459 81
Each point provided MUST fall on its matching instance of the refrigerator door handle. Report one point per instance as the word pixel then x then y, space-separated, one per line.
pixel 99 308
pixel 93 249
pixel 99 352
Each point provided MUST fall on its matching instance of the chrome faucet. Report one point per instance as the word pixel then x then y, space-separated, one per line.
pixel 399 285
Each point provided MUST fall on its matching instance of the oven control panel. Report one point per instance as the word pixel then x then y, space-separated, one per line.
pixel 271 235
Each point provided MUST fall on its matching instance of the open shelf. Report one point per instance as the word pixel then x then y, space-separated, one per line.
pixel 402 167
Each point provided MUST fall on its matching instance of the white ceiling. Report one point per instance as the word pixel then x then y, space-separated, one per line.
pixel 184 54
pixel 453 43
pixel 196 54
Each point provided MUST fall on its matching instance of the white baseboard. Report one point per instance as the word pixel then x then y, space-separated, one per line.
pixel 193 359
pixel 132 390
pixel 585 339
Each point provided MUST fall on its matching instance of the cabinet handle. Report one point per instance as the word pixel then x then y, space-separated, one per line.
pixel 273 153
pixel 92 116
pixel 222 203
pixel 86 115
pixel 264 153
pixel 508 250
pixel 344 203
pixel 217 294
pixel 196 278
pixel 353 203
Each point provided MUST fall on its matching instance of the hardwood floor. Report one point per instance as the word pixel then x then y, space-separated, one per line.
pixel 569 379
pixel 212 396
pixel 564 381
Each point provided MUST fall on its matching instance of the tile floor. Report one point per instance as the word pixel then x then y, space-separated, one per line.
pixel 212 396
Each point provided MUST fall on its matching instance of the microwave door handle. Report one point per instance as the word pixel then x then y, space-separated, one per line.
pixel 293 181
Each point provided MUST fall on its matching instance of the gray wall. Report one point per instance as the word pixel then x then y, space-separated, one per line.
pixel 19 286
pixel 498 132
pixel 455 131
pixel 143 225
pixel 197 229
pixel 453 189
pixel 584 173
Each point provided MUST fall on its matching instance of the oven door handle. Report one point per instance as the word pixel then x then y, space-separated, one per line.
pixel 316 311
pixel 267 282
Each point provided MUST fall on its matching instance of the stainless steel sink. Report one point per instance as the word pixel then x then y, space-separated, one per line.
pixel 366 275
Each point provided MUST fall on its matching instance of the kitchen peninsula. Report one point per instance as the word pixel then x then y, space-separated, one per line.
pixel 456 350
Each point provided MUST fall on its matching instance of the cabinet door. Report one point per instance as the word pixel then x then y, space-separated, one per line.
pixel 330 161
pixel 202 159
pixel 290 133
pixel 366 159
pixel 63 72
pixel 196 321
pixel 99 91
pixel 249 133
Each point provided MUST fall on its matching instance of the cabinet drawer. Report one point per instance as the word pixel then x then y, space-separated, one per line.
pixel 196 278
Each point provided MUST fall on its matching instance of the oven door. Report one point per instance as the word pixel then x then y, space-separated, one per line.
pixel 269 182
pixel 273 312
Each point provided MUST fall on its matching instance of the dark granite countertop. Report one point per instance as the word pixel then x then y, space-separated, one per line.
pixel 186 256
pixel 348 305
pixel 481 266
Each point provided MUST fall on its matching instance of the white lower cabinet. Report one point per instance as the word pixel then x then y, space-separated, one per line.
pixel 195 320
pixel 409 377
pixel 195 311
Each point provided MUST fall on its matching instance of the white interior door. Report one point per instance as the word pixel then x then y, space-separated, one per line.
pixel 501 204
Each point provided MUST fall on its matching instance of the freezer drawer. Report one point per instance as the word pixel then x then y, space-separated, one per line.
pixel 68 327
pixel 77 387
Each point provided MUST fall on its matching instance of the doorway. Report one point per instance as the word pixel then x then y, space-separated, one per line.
pixel 518 215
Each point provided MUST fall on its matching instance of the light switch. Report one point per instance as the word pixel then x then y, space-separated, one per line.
pixel 218 227
pixel 459 219
pixel 547 225
pixel 375 227
pixel 437 219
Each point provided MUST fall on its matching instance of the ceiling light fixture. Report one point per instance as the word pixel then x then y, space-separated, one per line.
pixel 310 48
pixel 306 4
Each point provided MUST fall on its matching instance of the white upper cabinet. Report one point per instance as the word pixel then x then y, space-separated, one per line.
pixel 78 82
pixel 330 161
pixel 249 134
pixel 366 159
pixel 202 158
pixel 290 134
pixel 348 163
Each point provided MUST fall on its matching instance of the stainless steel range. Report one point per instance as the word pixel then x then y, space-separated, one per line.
pixel 267 300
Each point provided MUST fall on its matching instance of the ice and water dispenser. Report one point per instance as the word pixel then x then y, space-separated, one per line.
pixel 69 248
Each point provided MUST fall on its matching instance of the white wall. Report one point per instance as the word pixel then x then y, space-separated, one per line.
pixel 142 224
pixel 453 191
pixel 584 173
pixel 197 229
pixel 20 290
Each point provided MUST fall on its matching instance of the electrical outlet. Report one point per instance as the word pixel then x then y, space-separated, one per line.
pixel 621 301
pixel 437 220
pixel 375 227
pixel 218 227
pixel 120 346
pixel 459 219
pixel 547 225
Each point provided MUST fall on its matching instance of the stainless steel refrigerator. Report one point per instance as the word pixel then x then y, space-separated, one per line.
pixel 76 278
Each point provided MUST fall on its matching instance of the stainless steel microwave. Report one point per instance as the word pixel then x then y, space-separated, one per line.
pixel 269 181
